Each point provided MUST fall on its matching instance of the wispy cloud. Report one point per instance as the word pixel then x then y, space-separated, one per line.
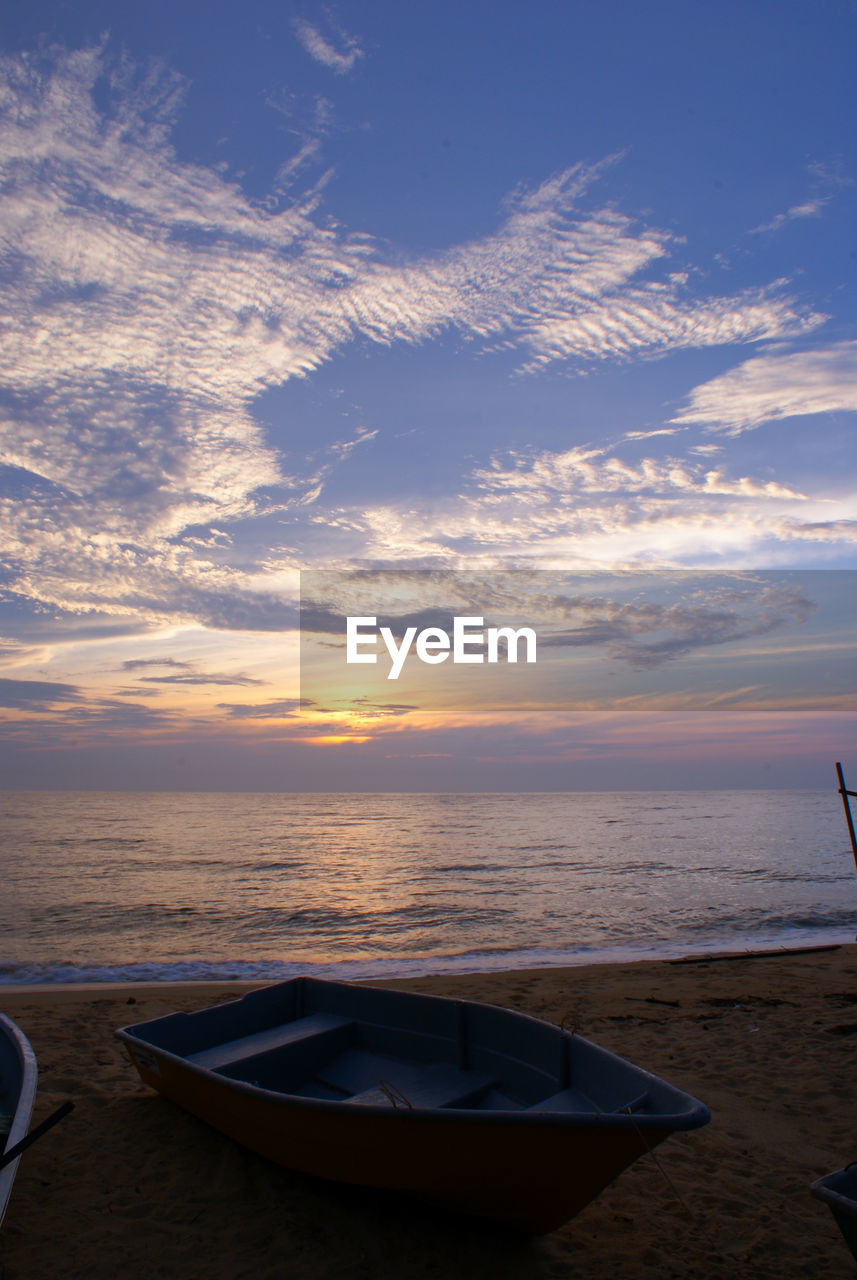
pixel 588 507
pixel 562 285
pixel 809 209
pixel 136 664
pixel 339 56
pixel 651 434
pixel 646 635
pixel 148 302
pixel 776 386
pixel 833 531
pixel 644 619
pixel 15 654
pixel 827 179
pixel 201 677
pixel 550 476
pixel 279 709
pixel 185 673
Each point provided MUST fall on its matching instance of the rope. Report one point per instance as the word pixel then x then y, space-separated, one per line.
pixel 666 1177
pixel 395 1095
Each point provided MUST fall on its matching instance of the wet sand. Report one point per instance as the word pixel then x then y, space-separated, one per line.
pixel 129 1186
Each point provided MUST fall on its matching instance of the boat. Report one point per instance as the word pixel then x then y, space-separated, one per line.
pixel 470 1107
pixel 839 1192
pixel 17 1093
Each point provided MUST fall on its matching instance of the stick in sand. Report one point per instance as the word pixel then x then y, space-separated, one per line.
pixel 54 1118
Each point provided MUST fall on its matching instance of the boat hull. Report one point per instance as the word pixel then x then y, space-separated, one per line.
pixel 839 1192
pixel 530 1168
pixel 18 1075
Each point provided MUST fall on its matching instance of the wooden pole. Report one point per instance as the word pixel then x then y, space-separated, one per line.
pixel 845 793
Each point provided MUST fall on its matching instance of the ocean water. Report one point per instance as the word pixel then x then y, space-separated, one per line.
pixel 141 886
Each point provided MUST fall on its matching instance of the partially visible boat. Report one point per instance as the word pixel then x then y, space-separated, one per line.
pixel 839 1192
pixel 17 1093
pixel 471 1107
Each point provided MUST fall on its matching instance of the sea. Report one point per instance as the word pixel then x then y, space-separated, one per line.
pixel 131 887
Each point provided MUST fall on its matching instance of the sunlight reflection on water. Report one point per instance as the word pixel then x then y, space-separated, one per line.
pixel 99 883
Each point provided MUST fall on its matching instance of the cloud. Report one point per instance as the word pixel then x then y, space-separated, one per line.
pixel 643 619
pixel 184 673
pixel 651 434
pixel 587 507
pixel 821 530
pixel 340 59
pixel 646 635
pixel 57 558
pixel 771 387
pixel 36 695
pixel 809 209
pixel 279 709
pixel 54 716
pixel 548 476
pixel 15 654
pixel 134 664
pixel 563 285
pixel 200 677
pixel 148 302
pixel 828 179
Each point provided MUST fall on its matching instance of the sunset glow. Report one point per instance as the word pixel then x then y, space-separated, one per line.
pixel 375 291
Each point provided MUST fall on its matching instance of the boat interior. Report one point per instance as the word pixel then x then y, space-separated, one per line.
pixel 364 1046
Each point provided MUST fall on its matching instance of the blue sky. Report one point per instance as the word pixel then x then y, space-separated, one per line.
pixel 553 287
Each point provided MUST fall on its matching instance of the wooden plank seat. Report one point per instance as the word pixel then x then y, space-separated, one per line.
pixel 567 1100
pixel 368 1079
pixel 313 1027
pixel 575 1100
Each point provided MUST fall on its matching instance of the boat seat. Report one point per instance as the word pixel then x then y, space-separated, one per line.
pixel 573 1100
pixel 234 1051
pixel 375 1081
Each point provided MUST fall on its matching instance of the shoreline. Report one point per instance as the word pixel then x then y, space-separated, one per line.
pixel 131 986
pixel 129 1183
pixel 405 968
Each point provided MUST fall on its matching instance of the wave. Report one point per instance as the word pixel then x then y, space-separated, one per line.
pixel 484 960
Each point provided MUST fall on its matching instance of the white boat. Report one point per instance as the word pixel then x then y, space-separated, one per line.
pixel 18 1074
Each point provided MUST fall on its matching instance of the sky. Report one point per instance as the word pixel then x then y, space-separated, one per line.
pixel 458 289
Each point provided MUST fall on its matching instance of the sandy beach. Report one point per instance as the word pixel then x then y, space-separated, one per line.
pixel 130 1186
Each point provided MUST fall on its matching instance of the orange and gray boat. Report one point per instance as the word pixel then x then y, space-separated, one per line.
pixel 468 1106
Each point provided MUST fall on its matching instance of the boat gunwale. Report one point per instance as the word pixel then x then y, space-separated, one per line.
pixel 695 1116
pixel 23 1104
pixel 826 1190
